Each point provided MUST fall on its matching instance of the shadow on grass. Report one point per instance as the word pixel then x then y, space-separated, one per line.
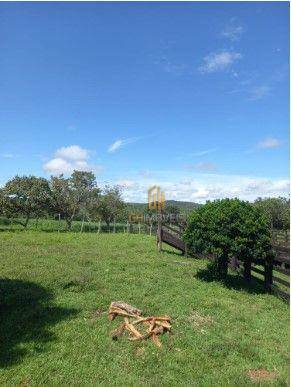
pixel 233 281
pixel 26 316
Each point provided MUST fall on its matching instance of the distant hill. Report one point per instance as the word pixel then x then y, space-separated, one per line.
pixel 184 207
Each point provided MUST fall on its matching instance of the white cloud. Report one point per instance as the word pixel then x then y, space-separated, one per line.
pixel 219 61
pixel 121 143
pixel 57 166
pixel 114 146
pixel 72 152
pixel 233 31
pixel 201 187
pixel 259 92
pixel 269 143
pixel 69 159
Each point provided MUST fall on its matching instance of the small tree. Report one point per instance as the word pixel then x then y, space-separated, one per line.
pixel 227 228
pixel 74 194
pixel 24 197
pixel 111 205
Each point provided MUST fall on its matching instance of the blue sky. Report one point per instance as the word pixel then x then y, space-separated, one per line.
pixel 191 96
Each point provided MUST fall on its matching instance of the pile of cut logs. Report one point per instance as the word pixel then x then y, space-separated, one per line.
pixel 149 327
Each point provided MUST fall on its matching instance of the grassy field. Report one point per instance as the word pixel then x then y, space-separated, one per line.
pixel 55 289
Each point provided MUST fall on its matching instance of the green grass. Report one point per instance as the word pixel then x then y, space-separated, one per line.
pixel 53 286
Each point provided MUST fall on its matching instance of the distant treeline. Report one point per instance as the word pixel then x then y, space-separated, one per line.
pixel 78 198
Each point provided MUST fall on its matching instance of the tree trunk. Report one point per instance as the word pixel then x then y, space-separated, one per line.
pixel 222 266
pixel 234 264
pixel 26 222
pixel 247 270
pixel 69 224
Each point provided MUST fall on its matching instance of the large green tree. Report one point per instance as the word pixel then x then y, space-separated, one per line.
pixel 24 197
pixel 228 228
pixel 73 195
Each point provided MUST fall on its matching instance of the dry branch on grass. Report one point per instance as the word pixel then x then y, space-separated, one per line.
pixel 150 327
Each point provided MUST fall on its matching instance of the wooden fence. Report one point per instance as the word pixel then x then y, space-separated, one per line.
pixel 275 272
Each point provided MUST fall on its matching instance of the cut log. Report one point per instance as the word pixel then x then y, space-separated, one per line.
pixel 132 330
pixel 126 307
pixel 156 340
pixel 121 312
pixel 112 316
pixel 143 337
pixel 132 317
pixel 164 324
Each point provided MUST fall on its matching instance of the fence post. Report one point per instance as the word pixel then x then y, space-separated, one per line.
pixel 99 226
pixel 127 226
pixel 114 226
pixel 59 222
pixel 247 270
pixel 159 236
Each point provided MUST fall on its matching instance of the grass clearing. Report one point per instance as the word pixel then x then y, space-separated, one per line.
pixel 56 289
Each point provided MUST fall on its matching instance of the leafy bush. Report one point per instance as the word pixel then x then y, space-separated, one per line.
pixel 228 228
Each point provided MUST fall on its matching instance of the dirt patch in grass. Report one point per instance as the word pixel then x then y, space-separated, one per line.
pixel 199 321
pixel 261 375
pixel 97 313
pixel 140 352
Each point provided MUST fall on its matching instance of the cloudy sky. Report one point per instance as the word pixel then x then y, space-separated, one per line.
pixel 190 96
